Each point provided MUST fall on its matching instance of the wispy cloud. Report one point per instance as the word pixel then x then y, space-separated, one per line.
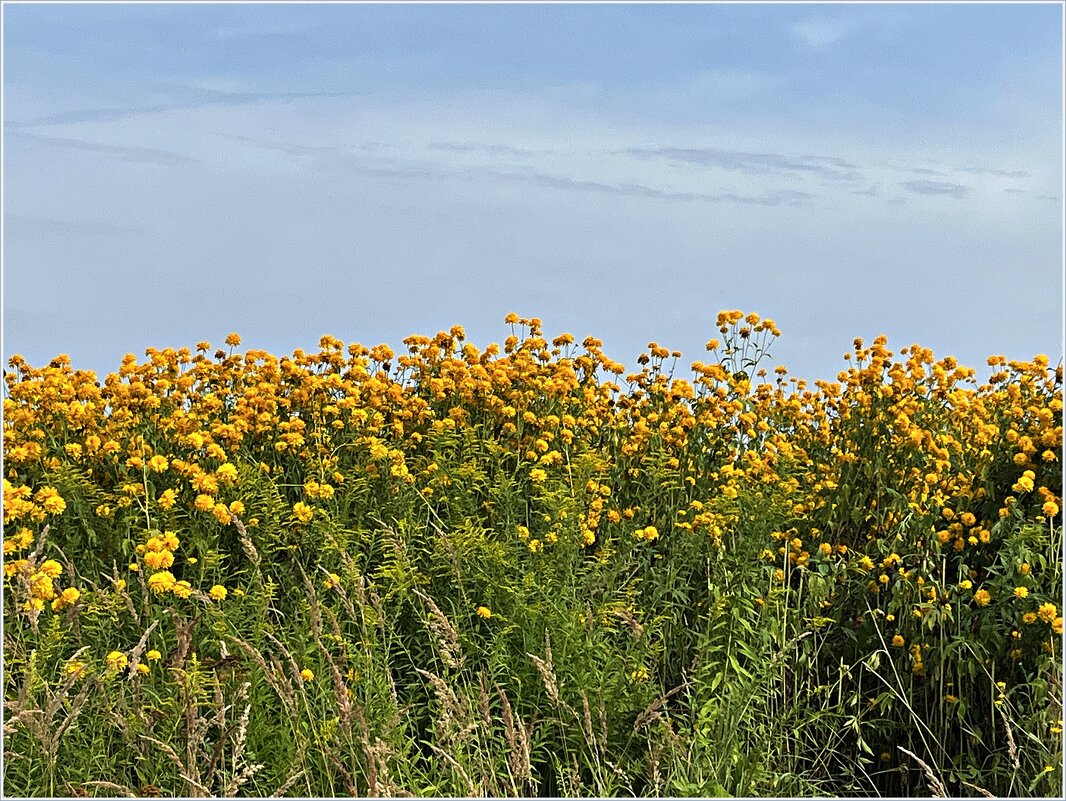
pixel 131 153
pixel 753 163
pixel 995 173
pixel 772 198
pixel 819 33
pixel 957 191
pixel 477 147
pixel 357 159
pixel 208 98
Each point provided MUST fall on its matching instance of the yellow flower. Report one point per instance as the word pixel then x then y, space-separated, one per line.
pixel 153 655
pixel 157 464
pixel 218 592
pixel 50 500
pixel 484 611
pixel 898 641
pixel 233 340
pixel 1050 509
pixel 1020 592
pixel 227 473
pixel 965 584
pixel 332 582
pixel 68 597
pixel 142 668
pixel 302 512
pixel 204 503
pixel 221 513
pixel 1047 612
pixel 52 569
pixel 307 675
pixel 161 582
pixel 1029 618
pixel 182 589
pixel 1056 626
pixel 167 499
pixel 116 660
pixel 159 559
pixel 537 475
pixel 982 597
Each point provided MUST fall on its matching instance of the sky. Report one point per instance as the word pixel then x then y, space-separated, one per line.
pixel 172 173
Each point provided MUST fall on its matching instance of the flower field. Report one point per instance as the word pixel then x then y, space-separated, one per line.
pixel 521 571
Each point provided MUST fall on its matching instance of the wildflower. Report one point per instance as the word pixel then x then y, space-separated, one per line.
pixel 233 340
pixel 204 503
pixel 182 589
pixel 153 655
pixel 68 597
pixel 218 592
pixel 221 513
pixel 1050 509
pixel 227 473
pixel 899 641
pixel 159 559
pixel 537 475
pixel 982 597
pixel 332 582
pixel 307 675
pixel 484 612
pixel 167 499
pixel 302 512
pixel 1047 612
pixel 117 661
pixel 1056 626
pixel 50 500
pixel 52 569
pixel 161 582
pixel 1020 592
pixel 158 464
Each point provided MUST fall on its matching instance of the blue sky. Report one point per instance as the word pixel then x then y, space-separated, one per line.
pixel 176 172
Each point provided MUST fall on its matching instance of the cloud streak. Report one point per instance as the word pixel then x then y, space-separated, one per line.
pixel 132 153
pixel 937 188
pixel 753 163
pixel 212 98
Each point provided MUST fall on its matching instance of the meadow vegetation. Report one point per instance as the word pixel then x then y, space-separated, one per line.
pixel 520 571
